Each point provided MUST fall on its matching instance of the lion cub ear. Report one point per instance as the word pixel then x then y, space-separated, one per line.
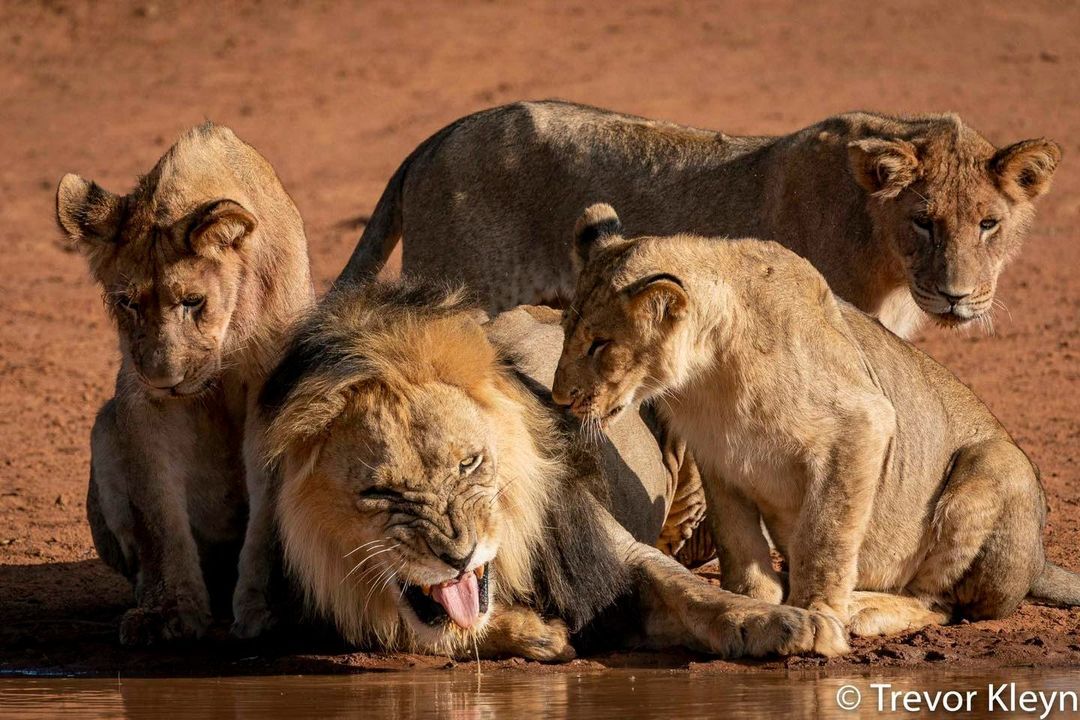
pixel 1029 163
pixel 220 224
pixel 87 212
pixel 660 298
pixel 883 167
pixel 597 223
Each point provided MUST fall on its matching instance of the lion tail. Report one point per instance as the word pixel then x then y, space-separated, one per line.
pixel 384 229
pixel 1056 586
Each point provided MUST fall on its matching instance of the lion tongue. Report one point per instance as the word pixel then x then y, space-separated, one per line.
pixel 461 600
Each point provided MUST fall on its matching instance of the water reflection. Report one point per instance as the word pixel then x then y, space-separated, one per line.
pixel 461 696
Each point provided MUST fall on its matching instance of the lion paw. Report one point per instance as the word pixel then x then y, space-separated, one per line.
pixel 186 619
pixel 830 637
pixel 786 630
pixel 767 587
pixel 549 643
pixel 522 633
pixel 252 621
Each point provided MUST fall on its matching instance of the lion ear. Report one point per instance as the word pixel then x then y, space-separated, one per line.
pixel 596 224
pixel 660 298
pixel 1030 164
pixel 883 167
pixel 220 224
pixel 87 212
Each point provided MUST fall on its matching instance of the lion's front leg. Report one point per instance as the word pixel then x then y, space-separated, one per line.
pixel 520 632
pixel 252 615
pixel 683 609
pixel 141 526
pixel 745 561
pixel 173 602
pixel 836 510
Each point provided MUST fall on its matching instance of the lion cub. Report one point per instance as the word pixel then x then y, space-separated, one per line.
pixel 872 467
pixel 202 265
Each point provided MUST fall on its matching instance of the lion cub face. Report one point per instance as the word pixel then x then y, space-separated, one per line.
pixel 954 210
pixel 624 327
pixel 170 272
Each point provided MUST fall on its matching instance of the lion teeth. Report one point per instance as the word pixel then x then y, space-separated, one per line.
pixel 426 589
pixel 479 572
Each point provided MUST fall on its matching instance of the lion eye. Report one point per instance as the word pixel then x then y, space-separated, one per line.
pixel 988 224
pixel 923 225
pixel 470 464
pixel 128 303
pixel 597 345
pixel 381 493
pixel 193 301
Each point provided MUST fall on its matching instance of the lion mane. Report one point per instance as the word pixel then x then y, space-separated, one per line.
pixel 373 346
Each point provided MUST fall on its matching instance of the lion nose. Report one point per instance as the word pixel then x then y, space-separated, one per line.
pixel 455 561
pixel 164 382
pixel 561 399
pixel 952 295
pixel 564 398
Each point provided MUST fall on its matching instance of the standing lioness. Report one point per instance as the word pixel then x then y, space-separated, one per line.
pixel 872 467
pixel 887 209
pixel 203 266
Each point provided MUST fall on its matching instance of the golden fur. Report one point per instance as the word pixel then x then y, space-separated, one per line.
pixel 376 414
pixel 202 266
pixel 871 466
pixel 887 209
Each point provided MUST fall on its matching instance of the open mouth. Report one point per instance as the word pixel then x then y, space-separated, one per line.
pixel 462 601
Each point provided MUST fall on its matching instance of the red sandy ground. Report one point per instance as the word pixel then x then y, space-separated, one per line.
pixel 337 96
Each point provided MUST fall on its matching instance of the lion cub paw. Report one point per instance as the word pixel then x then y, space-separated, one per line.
pixel 252 621
pixel 830 637
pixel 767 587
pixel 183 620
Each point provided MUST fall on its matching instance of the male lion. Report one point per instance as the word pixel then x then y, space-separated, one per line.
pixel 871 466
pixel 203 266
pixel 430 501
pixel 887 209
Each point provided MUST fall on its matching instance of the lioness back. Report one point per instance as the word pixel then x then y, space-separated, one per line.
pixel 897 213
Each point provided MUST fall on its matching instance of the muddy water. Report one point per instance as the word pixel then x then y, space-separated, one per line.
pixel 612 694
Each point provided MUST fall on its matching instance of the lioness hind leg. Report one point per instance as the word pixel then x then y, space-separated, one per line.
pixel 986 535
pixel 875 613
pixel 520 632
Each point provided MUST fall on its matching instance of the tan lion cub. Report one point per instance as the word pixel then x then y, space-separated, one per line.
pixel 203 265
pixel 872 467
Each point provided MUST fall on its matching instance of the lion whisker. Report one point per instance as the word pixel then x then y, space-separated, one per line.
pixel 371 591
pixel 363 545
pixel 998 303
pixel 368 558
